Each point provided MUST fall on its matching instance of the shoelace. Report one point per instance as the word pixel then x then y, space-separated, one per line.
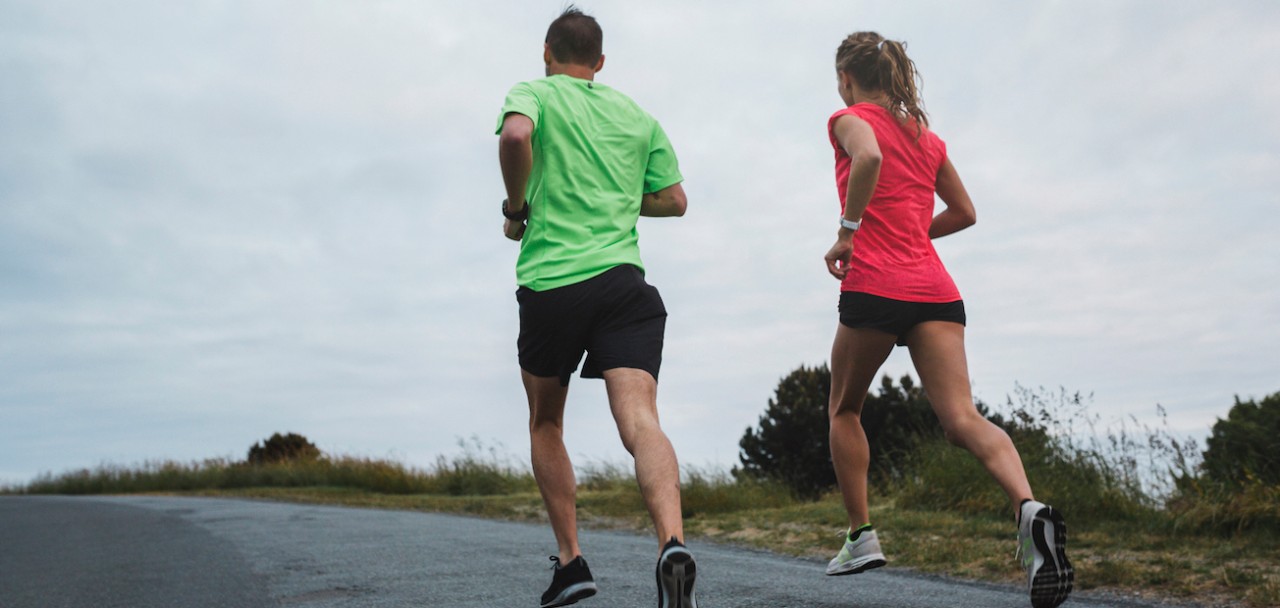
pixel 555 562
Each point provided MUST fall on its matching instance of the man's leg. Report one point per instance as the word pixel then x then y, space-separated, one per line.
pixel 551 466
pixel 633 398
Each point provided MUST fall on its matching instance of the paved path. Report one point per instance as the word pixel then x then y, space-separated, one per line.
pixel 144 552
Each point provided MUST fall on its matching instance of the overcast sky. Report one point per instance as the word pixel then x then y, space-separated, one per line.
pixel 220 220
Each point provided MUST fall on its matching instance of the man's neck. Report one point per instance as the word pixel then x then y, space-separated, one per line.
pixel 571 69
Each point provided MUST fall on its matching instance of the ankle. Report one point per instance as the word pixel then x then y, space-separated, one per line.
pixel 1017 510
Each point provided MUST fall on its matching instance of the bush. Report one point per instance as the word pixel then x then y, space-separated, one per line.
pixel 792 446
pixel 1244 448
pixel 283 448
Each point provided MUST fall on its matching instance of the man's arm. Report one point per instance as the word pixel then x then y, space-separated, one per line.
pixel 515 155
pixel 667 202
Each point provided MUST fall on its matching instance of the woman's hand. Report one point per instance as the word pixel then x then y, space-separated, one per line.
pixel 840 254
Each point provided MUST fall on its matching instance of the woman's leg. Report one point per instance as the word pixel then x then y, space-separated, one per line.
pixel 937 349
pixel 856 357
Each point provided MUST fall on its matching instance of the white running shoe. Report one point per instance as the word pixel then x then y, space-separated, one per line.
pixel 676 574
pixel 858 555
pixel 1042 545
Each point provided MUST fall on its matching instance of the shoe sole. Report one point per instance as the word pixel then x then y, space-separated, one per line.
pixel 571 594
pixel 1053 582
pixel 857 567
pixel 676 574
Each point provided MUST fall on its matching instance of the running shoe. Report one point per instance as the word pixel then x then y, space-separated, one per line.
pixel 569 583
pixel 861 552
pixel 1042 545
pixel 676 573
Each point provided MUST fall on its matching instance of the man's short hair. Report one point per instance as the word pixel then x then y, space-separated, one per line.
pixel 575 37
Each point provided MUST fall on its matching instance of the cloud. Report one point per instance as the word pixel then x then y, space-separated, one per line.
pixel 221 220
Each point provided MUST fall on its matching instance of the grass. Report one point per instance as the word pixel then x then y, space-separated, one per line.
pixel 1160 554
pixel 1141 520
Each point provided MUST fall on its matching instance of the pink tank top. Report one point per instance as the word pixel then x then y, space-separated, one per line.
pixel 893 256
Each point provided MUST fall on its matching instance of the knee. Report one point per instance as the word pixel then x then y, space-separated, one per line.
pixel 544 424
pixel 845 410
pixel 960 430
pixel 633 430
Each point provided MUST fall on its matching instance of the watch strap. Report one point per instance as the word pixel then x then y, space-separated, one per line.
pixel 519 216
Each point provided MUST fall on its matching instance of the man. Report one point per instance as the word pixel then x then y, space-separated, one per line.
pixel 580 162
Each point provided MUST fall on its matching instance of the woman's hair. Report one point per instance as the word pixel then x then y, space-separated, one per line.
pixel 877 64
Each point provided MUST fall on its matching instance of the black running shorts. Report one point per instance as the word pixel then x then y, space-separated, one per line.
pixel 615 317
pixel 865 311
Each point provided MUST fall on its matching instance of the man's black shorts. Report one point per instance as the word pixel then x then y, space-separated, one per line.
pixel 615 317
pixel 863 310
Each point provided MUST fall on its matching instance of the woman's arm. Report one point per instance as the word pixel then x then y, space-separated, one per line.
pixel 858 141
pixel 959 213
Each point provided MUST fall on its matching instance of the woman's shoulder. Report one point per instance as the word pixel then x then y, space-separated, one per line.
pixel 930 140
pixel 860 111
pixel 865 111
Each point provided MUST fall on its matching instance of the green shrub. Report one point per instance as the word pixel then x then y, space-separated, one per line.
pixel 791 445
pixel 1244 447
pixel 283 448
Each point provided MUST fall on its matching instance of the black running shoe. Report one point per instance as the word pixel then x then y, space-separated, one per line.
pixel 570 582
pixel 676 574
pixel 1042 543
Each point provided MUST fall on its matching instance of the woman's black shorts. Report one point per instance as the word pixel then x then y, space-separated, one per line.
pixel 615 317
pixel 865 311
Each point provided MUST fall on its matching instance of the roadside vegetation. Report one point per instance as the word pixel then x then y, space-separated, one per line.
pixel 1149 513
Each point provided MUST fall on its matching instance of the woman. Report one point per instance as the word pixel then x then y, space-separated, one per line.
pixel 895 290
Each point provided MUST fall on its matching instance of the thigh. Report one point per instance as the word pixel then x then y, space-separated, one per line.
pixel 937 350
pixel 633 396
pixel 856 357
pixel 546 399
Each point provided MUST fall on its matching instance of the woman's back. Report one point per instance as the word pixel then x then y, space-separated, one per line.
pixel 893 256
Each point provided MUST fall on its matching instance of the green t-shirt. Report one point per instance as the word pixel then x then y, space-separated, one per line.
pixel 595 154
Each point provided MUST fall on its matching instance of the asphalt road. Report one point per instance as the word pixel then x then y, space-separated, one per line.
pixel 144 552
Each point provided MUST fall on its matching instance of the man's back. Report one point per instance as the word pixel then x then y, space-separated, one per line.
pixel 595 154
pixel 590 162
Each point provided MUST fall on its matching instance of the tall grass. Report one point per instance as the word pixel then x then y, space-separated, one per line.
pixel 613 491
pixel 1124 471
pixel 473 472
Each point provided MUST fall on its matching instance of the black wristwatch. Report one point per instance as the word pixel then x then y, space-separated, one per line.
pixel 519 216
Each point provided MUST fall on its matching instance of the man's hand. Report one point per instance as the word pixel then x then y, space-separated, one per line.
pixel 513 230
pixel 840 254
